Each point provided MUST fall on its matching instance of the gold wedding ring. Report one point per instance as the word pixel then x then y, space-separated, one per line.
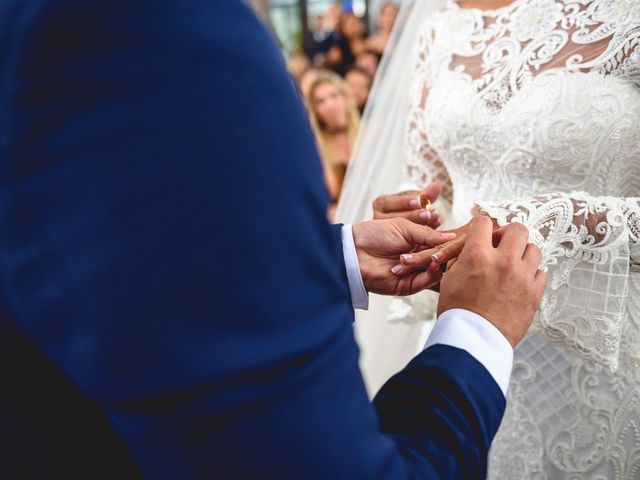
pixel 424 202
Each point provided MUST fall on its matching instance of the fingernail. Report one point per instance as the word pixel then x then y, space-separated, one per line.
pixel 426 215
pixel 415 203
pixel 436 257
pixel 407 257
pixel 396 269
pixel 435 214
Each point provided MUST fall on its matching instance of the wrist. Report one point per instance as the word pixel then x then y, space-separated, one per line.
pixel 359 295
pixel 358 244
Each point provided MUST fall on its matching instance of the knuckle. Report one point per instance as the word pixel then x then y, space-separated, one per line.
pixel 415 217
pixel 519 228
pixel 509 262
pixel 508 265
pixel 476 257
pixel 402 222
pixel 481 220
pixel 379 204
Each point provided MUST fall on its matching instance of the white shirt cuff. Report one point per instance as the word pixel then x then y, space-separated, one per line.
pixel 477 336
pixel 359 295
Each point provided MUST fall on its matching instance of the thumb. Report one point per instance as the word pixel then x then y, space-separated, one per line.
pixel 432 190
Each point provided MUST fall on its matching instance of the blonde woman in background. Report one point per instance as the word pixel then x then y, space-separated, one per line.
pixel 335 120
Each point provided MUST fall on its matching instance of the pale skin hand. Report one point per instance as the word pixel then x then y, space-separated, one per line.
pixel 407 205
pixel 378 245
pixel 440 254
pixel 496 276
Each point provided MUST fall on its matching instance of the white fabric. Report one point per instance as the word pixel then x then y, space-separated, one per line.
pixel 359 295
pixel 470 332
pixel 533 112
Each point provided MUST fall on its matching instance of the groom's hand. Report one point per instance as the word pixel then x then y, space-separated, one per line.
pixel 379 243
pixel 501 283
pixel 407 205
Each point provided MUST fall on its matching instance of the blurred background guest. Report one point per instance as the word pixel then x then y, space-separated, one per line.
pixel 325 33
pixel 369 61
pixel 320 35
pixel 359 82
pixel 386 18
pixel 335 120
pixel 350 44
pixel 306 80
pixel 298 65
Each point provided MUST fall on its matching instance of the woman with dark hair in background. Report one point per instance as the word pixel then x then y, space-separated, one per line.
pixel 350 44
pixel 359 82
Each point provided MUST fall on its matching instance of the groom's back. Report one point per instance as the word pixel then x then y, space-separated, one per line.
pixel 48 429
pixel 166 268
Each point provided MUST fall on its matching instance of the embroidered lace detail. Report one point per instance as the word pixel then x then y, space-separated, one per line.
pixel 537 98
pixel 501 52
pixel 586 244
pixel 423 164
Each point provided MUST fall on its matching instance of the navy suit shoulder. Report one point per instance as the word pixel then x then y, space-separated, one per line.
pixel 165 251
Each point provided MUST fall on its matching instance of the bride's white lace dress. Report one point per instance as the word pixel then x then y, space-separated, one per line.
pixel 532 114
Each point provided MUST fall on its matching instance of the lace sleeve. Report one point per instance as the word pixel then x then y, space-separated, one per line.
pixel 590 245
pixel 423 163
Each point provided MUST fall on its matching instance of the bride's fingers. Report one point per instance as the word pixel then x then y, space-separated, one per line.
pixel 421 280
pixel 397 203
pixel 419 216
pixel 439 254
pixel 433 190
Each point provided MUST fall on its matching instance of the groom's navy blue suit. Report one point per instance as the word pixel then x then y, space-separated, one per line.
pixel 174 304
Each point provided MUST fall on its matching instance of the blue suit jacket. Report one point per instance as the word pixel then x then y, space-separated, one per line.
pixel 174 303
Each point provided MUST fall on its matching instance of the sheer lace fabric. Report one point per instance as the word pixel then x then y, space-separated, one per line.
pixel 586 244
pixel 533 111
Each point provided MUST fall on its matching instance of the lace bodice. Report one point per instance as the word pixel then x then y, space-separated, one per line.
pixel 532 112
pixel 563 89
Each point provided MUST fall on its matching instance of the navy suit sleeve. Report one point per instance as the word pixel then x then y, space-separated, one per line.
pixel 164 245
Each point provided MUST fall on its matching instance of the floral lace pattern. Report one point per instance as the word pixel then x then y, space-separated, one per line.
pixel 500 54
pixel 588 241
pixel 540 101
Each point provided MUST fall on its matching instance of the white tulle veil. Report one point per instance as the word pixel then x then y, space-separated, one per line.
pixel 377 163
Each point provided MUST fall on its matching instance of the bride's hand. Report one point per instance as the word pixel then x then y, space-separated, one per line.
pixel 407 205
pixel 440 254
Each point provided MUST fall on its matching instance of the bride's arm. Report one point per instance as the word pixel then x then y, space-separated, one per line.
pixel 577 225
pixel 423 162
pixel 424 165
pixel 590 245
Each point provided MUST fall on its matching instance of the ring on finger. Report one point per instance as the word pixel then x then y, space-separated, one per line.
pixel 424 201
